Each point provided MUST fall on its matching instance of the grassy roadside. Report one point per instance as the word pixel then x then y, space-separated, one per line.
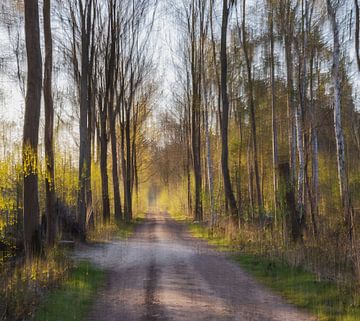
pixel 126 230
pixel 72 300
pixel 109 232
pixel 324 299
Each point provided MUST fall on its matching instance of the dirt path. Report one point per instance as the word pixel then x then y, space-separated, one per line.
pixel 161 273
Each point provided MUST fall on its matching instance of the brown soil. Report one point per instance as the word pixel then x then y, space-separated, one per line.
pixel 162 273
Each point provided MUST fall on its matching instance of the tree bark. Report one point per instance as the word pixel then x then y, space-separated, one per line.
pixel 84 161
pixel 112 72
pixel 128 176
pixel 339 135
pixel 49 128
pixel 287 31
pixel 315 154
pixel 123 160
pixel 291 108
pixel 300 119
pixel 288 203
pixel 115 175
pixel 250 94
pixel 32 240
pixel 195 121
pixel 357 32
pixel 229 195
pixel 273 113
pixel 103 162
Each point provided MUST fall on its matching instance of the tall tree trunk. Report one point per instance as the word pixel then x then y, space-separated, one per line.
pixel 115 175
pixel 209 167
pixel 188 173
pixel 339 135
pixel 291 107
pixel 187 129
pixel 49 128
pixel 128 180
pixel 112 70
pixel 32 240
pixel 357 32
pixel 89 218
pixel 91 106
pixel 250 181
pixel 195 121
pixel 239 164
pixel 123 166
pixel 103 163
pixel 250 94
pixel 230 198
pixel 301 172
pixel 300 119
pixel 84 164
pixel 314 153
pixel 196 157
pixel 273 113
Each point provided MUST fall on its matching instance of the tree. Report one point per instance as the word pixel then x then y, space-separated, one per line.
pixel 82 20
pixel 251 104
pixel 224 116
pixel 332 7
pixel 196 109
pixel 103 156
pixel 49 127
pixel 357 32
pixel 286 18
pixel 31 129
pixel 273 106
pixel 113 108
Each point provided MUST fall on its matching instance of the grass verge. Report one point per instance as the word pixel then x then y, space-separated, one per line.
pixel 72 300
pixel 325 299
pixel 122 230
pixel 200 231
pixel 126 230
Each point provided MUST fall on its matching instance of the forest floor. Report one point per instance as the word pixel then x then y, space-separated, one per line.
pixel 162 273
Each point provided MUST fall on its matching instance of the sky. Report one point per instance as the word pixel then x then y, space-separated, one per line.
pixel 165 39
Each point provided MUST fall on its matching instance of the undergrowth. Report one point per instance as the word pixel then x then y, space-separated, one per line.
pixel 111 231
pixel 323 298
pixel 327 299
pixel 72 300
pixel 23 285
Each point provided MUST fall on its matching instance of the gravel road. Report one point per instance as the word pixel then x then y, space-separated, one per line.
pixel 162 273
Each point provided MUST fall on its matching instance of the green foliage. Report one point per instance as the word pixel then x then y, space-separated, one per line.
pixel 325 299
pixel 66 180
pixel 200 231
pixel 10 201
pixel 126 230
pixel 72 300
pixel 22 287
pixel 174 201
pixel 122 230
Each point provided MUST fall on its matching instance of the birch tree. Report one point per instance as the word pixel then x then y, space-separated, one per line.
pixel 332 7
pixel 250 96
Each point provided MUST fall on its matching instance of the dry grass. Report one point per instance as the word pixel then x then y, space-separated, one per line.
pixel 24 284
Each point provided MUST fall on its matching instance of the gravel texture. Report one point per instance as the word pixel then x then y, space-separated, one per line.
pixel 162 273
